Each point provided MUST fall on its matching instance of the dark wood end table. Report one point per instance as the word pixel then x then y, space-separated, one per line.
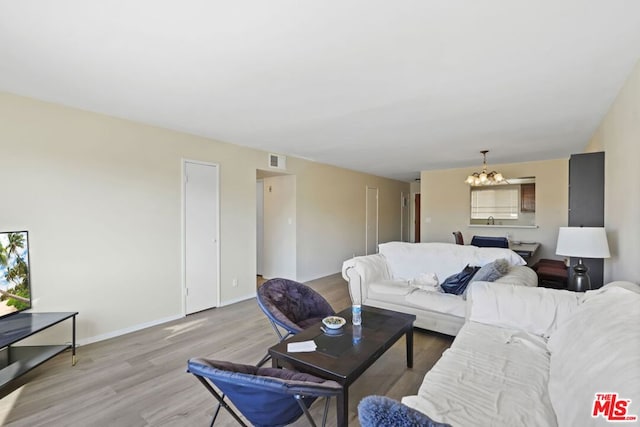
pixel 344 357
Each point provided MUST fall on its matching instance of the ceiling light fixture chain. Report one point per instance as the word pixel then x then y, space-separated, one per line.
pixel 484 178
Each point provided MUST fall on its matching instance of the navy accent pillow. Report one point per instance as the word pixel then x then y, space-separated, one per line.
pixel 457 283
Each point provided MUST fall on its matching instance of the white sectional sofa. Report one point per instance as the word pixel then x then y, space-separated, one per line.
pixel 384 279
pixel 539 357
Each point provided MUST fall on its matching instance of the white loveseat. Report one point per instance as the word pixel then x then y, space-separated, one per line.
pixel 538 357
pixel 383 279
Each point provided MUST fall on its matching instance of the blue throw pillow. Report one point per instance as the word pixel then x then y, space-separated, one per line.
pixel 457 283
pixel 492 271
pixel 376 411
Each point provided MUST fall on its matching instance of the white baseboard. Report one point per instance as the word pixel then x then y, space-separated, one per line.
pixel 127 330
pixel 305 279
pixel 239 299
pixel 140 326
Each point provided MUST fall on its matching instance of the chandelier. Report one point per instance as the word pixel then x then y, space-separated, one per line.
pixel 484 178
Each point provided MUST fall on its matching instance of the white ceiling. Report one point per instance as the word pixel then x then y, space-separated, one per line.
pixel 387 87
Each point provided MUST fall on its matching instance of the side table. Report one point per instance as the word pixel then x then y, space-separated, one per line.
pixel 16 360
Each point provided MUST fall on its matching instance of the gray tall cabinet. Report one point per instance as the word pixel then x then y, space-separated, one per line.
pixel 586 203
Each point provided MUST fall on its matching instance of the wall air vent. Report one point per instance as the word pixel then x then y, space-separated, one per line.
pixel 277 161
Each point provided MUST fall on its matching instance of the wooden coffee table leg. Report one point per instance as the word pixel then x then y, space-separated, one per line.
pixel 409 339
pixel 342 406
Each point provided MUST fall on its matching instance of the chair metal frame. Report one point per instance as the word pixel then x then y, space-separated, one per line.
pixel 298 393
pixel 276 324
pixel 280 335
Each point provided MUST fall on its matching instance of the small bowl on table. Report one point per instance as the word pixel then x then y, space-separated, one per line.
pixel 333 322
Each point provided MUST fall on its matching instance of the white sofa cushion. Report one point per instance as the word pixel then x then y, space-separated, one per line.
pixel 489 377
pixel 535 310
pixel 487 255
pixel 407 261
pixel 391 287
pixel 619 284
pixel 520 274
pixel 597 350
pixel 426 281
pixel 436 301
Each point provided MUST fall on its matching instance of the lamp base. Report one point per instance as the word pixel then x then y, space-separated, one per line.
pixel 580 281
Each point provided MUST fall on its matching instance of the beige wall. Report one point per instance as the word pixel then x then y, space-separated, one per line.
pixel 101 198
pixel 619 137
pixel 445 204
pixel 326 194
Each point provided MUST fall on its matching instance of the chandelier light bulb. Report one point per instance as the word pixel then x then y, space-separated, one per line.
pixel 484 178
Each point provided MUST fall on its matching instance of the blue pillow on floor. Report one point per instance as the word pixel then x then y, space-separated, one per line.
pixel 380 411
pixel 457 283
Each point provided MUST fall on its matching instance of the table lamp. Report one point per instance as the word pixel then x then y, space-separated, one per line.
pixel 582 242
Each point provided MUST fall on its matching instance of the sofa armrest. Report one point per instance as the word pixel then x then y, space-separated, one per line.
pixel 535 310
pixel 360 271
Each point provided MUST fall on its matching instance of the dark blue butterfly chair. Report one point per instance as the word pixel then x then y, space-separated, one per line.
pixel 265 396
pixel 291 306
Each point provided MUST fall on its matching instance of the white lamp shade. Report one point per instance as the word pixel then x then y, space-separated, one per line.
pixel 583 242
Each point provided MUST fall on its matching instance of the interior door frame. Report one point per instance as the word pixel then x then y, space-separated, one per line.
pixel 417 238
pixel 366 219
pixel 259 227
pixel 183 226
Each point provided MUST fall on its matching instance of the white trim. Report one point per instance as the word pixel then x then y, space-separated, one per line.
pixel 403 207
pixel 260 228
pixel 366 218
pixel 239 299
pixel 305 279
pixel 412 217
pixel 183 196
pixel 127 330
pixel 501 226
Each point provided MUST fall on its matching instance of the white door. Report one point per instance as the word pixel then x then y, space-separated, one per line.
pixel 279 244
pixel 371 221
pixel 201 251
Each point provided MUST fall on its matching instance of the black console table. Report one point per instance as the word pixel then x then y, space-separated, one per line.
pixel 17 360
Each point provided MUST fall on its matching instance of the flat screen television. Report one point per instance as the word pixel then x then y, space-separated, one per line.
pixel 15 283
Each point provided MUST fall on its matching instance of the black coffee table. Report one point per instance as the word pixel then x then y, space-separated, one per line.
pixel 339 357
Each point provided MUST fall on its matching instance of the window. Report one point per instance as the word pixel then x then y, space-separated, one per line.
pixel 502 203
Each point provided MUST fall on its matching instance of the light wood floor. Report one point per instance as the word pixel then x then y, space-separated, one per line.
pixel 139 379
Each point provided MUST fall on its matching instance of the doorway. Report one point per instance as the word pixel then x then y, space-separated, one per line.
pixel 416 218
pixel 201 207
pixel 259 229
pixel 276 225
pixel 371 221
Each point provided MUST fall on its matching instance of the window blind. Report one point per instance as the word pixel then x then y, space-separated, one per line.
pixel 500 204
